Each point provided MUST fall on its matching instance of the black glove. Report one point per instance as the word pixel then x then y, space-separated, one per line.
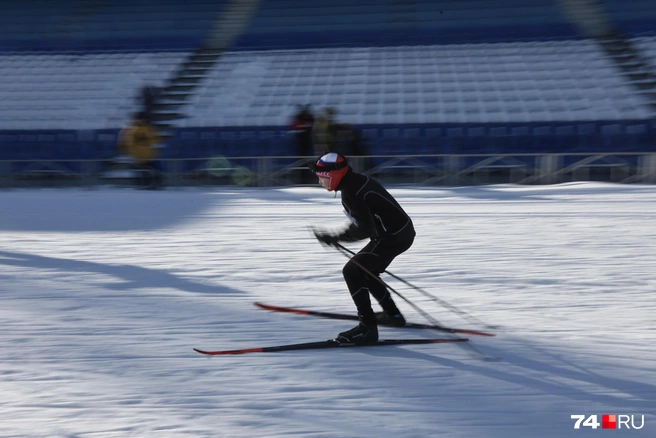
pixel 326 238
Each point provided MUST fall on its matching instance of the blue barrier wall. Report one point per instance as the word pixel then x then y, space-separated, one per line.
pixel 401 139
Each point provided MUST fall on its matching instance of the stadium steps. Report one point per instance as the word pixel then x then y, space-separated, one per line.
pixel 176 94
pixel 234 18
pixel 632 64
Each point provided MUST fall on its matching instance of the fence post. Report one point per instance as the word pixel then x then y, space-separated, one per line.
pixel 548 166
pixel 453 166
pixel 647 168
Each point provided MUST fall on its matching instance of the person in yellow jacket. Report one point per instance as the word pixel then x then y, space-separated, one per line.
pixel 140 141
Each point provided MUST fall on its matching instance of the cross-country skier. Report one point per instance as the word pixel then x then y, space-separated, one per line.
pixel 376 215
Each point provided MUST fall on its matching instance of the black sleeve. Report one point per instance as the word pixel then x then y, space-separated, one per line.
pixel 353 233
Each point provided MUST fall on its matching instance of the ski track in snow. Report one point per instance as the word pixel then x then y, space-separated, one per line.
pixel 104 293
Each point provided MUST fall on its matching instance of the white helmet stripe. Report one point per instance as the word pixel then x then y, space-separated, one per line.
pixel 330 157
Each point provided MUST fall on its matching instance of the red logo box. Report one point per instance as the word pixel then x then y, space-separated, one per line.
pixel 608 421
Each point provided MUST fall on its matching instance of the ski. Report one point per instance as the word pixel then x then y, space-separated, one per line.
pixel 328 344
pixel 355 318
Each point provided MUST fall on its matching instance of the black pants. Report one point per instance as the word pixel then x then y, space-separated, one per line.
pixel 148 176
pixel 375 258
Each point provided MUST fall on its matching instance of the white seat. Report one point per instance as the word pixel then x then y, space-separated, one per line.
pixel 85 89
pixel 466 83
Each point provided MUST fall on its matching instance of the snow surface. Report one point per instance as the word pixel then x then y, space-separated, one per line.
pixel 104 293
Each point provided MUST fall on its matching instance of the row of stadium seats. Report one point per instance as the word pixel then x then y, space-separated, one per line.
pixel 116 24
pixel 488 97
pixel 287 24
pixel 503 82
pixel 72 91
pixel 634 18
pixel 321 23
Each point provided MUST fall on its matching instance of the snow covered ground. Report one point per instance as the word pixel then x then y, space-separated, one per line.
pixel 104 293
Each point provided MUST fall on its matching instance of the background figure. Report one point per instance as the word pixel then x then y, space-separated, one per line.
pixel 301 128
pixel 325 132
pixel 148 97
pixel 140 142
pixel 351 142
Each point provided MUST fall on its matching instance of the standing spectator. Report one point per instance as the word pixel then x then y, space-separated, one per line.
pixel 352 143
pixel 350 140
pixel 301 128
pixel 325 132
pixel 148 98
pixel 140 142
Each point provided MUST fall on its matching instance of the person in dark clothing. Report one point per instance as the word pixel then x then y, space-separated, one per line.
pixel 376 215
pixel 325 131
pixel 148 96
pixel 301 127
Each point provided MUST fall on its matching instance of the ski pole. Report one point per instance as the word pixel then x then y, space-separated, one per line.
pixel 346 252
pixel 377 278
pixel 475 352
pixel 451 307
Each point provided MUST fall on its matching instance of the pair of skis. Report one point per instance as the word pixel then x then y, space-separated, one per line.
pixel 335 344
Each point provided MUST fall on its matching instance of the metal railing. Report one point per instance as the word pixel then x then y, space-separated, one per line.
pixel 426 170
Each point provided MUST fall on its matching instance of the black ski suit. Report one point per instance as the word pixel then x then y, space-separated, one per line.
pixel 376 215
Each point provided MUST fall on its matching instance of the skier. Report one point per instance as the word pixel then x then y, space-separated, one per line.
pixel 376 215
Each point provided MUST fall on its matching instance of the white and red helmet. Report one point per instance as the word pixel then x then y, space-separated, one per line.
pixel 332 165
